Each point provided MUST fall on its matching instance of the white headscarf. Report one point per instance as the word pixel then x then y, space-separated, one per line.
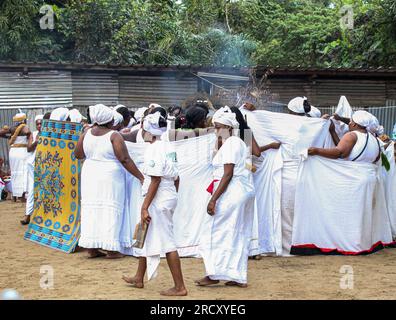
pixel 315 112
pixel 366 120
pixel 60 114
pixel 140 113
pixel 225 116
pixel 118 118
pixel 75 116
pixel 38 117
pixel 151 124
pixel 100 114
pixel 297 104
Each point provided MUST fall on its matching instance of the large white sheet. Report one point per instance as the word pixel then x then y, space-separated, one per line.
pixel 195 171
pixel 296 134
pixel 389 180
pixel 339 208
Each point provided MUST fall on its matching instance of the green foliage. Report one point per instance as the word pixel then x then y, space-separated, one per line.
pixel 220 32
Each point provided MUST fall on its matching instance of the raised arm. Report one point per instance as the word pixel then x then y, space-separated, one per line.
pixel 342 119
pixel 333 133
pixel 342 150
pixel 121 152
pixel 224 182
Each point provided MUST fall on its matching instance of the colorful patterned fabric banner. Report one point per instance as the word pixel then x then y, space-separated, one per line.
pixel 55 222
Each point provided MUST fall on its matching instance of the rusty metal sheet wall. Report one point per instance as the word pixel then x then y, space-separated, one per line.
pixel 35 89
pixel 139 91
pixel 93 88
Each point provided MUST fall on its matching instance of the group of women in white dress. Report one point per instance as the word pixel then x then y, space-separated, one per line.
pixel 227 232
pixel 226 236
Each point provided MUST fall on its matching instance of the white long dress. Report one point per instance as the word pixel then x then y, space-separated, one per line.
pixel 160 160
pixel 343 209
pixel 227 234
pixel 103 191
pixel 30 160
pixel 19 175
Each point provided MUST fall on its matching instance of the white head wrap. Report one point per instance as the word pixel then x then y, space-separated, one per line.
pixel 315 112
pixel 59 114
pixel 38 117
pixel 151 124
pixel 118 118
pixel 225 116
pixel 140 113
pixel 366 120
pixel 100 114
pixel 297 104
pixel 75 116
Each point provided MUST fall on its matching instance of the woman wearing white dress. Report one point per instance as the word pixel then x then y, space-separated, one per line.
pixel 160 198
pixel 30 161
pixel 103 180
pixel 359 144
pixel 226 237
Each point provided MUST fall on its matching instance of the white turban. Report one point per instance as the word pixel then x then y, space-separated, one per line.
pixel 315 112
pixel 225 116
pixel 118 118
pixel 140 113
pixel 151 124
pixel 75 116
pixel 38 117
pixel 60 114
pixel 297 104
pixel 100 114
pixel 366 120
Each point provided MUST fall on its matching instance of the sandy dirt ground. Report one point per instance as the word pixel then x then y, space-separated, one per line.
pixel 76 277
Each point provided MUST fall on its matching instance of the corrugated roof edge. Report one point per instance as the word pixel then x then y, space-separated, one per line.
pixel 261 69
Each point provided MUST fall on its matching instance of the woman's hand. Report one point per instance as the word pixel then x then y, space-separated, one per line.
pixel 312 151
pixel 145 216
pixel 141 181
pixel 326 116
pixel 336 117
pixel 332 126
pixel 211 207
pixel 275 145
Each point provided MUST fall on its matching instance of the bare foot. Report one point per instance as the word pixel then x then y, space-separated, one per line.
pixel 133 282
pixel 25 220
pixel 114 255
pixel 206 281
pixel 174 292
pixel 236 284
pixel 95 254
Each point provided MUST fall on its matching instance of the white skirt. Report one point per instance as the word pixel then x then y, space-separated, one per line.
pixel 227 234
pixel 19 175
pixel 103 190
pixel 160 238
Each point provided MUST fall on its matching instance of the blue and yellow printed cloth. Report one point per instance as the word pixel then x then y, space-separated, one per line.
pixel 55 222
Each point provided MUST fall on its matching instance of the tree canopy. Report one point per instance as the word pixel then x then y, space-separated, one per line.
pixel 209 32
